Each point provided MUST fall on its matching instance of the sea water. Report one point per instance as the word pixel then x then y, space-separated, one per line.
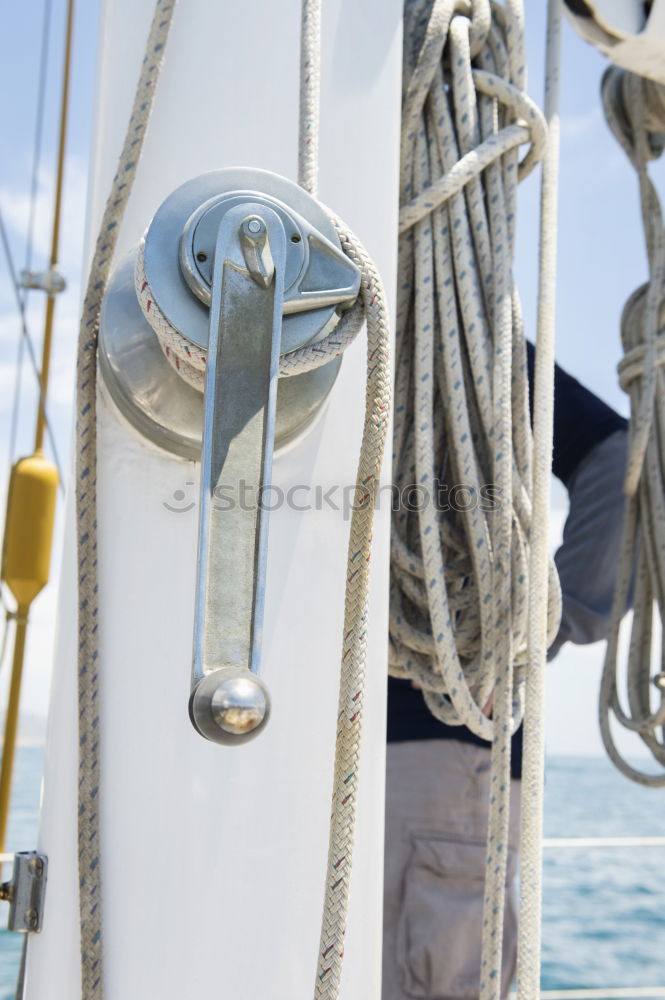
pixel 603 908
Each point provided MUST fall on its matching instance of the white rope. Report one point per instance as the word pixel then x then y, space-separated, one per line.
pixel 467 596
pixel 190 361
pixel 533 761
pixel 352 676
pixel 453 252
pixel 89 827
pixel 183 355
pixel 635 110
pixel 310 91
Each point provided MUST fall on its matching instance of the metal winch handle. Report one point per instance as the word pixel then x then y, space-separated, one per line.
pixel 228 702
pixel 239 266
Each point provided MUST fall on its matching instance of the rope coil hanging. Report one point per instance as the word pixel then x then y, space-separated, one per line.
pixel 461 367
pixel 635 111
pixel 472 608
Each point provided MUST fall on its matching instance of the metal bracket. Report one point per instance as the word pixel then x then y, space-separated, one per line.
pixel 51 281
pixel 25 892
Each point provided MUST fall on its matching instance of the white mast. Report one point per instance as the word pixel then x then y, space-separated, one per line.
pixel 214 857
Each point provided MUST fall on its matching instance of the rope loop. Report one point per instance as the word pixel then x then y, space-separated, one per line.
pixel 457 314
pixel 480 24
pixel 631 368
pixel 463 623
pixel 635 111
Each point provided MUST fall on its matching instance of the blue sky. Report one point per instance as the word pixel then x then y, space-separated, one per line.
pixel 601 261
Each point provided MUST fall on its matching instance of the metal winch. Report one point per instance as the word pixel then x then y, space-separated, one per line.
pixel 246 266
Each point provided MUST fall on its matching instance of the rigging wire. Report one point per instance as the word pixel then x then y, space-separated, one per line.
pixel 26 338
pixel 39 130
pixel 36 163
pixel 16 402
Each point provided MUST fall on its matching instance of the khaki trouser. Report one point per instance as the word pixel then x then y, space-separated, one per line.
pixel 436 827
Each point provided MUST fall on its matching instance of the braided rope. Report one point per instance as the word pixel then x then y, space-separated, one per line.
pixel 89 846
pixel 533 762
pixel 462 580
pixel 310 91
pixel 635 110
pixel 352 675
pixel 456 292
pixel 189 361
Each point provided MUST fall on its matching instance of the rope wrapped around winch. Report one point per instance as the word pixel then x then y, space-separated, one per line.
pixel 189 360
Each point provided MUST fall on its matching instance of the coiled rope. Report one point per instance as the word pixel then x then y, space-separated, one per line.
pixel 89 840
pixel 635 110
pixel 473 607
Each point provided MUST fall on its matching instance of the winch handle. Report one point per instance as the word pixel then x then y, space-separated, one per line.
pixel 229 703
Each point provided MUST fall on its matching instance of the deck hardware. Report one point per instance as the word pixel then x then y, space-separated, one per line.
pixel 246 266
pixel 320 282
pixel 25 892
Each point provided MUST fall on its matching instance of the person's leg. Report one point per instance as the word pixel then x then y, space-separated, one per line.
pixel 437 794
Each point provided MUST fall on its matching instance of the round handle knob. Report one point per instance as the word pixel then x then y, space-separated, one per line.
pixel 230 705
